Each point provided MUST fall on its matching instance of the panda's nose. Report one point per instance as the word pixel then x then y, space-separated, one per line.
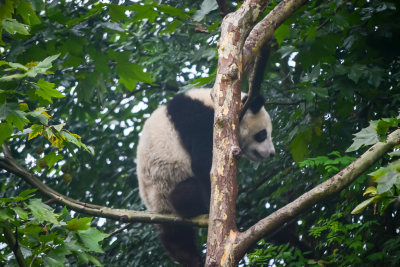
pixel 272 154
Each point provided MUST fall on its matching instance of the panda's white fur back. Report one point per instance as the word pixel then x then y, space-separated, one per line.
pixel 162 162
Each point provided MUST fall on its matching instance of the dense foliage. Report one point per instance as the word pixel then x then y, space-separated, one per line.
pixel 79 78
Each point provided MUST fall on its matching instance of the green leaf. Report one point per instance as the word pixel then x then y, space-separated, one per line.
pixel 395 153
pixel 12 26
pixel 54 262
pixel 18 119
pixel 52 158
pixel 42 66
pixel 5 132
pixel 29 16
pixel 13 115
pixel 46 91
pixel 32 229
pixel 28 193
pixel 65 215
pixel 94 260
pixel 144 12
pixel 375 76
pixel 6 9
pixel 206 7
pixel 281 33
pixel 371 190
pixel 360 207
pixel 376 175
pixel 72 139
pixel 311 33
pixel 171 27
pixel 117 12
pixel 21 213
pixel 79 224
pixel 58 127
pixel 204 80
pixel 41 115
pixel 36 130
pixel 92 12
pixel 6 109
pixel 129 73
pixel 16 66
pixel 386 182
pixel 41 212
pixel 298 148
pixel 6 214
pixel 59 253
pixel 91 239
pixel 383 125
pixel 173 11
pixel 365 137
pixel 320 91
pixel 11 77
pixel 356 72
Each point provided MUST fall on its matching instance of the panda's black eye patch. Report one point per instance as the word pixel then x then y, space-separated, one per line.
pixel 260 136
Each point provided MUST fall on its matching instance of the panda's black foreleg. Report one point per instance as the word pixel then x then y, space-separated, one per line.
pixel 179 241
pixel 187 198
pixel 201 154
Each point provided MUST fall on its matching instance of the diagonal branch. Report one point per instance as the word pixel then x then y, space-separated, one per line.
pixel 13 244
pixel 9 164
pixel 262 33
pixel 334 185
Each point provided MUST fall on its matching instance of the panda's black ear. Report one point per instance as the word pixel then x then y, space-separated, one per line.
pixel 257 104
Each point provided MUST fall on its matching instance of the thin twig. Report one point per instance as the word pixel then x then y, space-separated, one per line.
pixel 13 244
pixel 126 226
pixel 277 103
pixel 9 164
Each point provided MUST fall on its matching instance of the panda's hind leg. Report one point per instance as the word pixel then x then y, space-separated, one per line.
pixel 188 198
pixel 179 242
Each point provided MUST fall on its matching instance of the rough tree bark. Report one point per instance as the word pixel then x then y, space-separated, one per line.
pixel 241 38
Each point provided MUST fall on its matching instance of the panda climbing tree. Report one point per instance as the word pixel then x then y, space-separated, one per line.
pixel 174 161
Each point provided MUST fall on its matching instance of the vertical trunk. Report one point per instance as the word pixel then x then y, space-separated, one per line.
pixel 222 225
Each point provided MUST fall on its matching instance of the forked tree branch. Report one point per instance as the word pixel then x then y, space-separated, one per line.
pixel 9 164
pixel 263 32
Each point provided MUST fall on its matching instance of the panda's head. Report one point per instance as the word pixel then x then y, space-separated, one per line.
pixel 255 131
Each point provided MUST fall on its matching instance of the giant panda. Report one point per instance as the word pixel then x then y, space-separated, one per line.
pixel 174 161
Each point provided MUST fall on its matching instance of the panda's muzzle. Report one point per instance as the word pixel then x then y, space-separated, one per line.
pixel 258 156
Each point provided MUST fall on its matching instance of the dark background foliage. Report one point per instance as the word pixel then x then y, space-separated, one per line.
pixel 333 67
